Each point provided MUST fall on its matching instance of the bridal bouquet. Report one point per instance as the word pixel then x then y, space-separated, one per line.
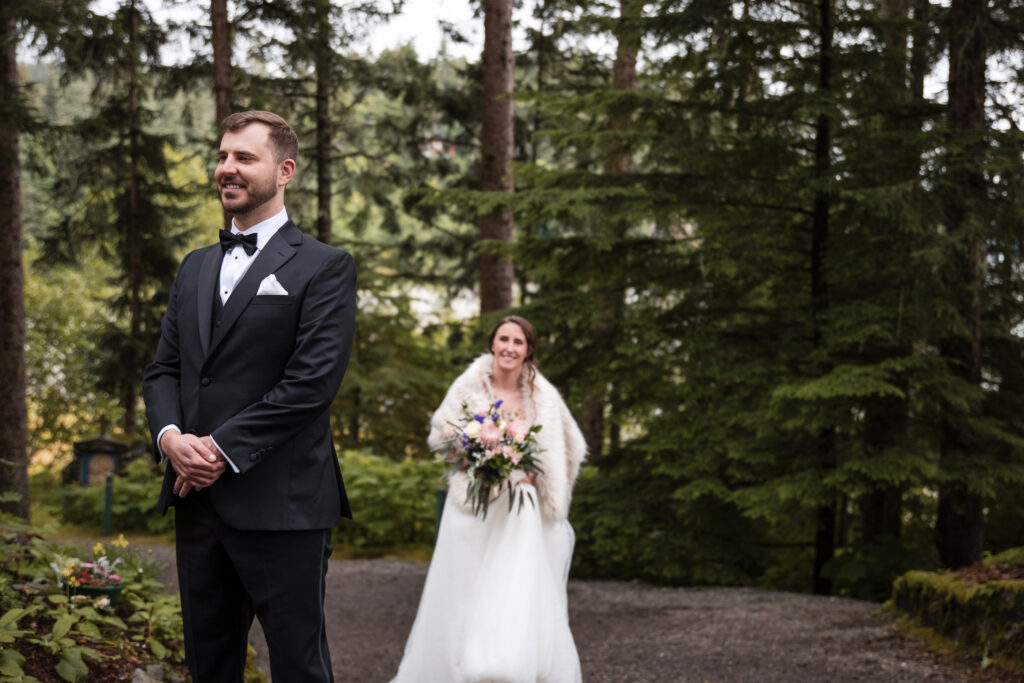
pixel 488 445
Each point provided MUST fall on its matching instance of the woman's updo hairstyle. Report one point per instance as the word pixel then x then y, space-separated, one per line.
pixel 530 362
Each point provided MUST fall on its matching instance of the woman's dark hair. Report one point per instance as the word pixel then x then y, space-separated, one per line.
pixel 530 362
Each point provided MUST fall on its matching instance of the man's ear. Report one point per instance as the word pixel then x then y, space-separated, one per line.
pixel 285 171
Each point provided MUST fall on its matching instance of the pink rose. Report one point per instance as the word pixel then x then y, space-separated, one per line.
pixel 512 454
pixel 518 430
pixel 490 434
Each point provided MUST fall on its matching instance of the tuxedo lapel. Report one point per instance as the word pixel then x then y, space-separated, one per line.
pixel 277 252
pixel 209 274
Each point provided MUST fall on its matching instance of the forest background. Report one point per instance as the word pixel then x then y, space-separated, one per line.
pixel 773 251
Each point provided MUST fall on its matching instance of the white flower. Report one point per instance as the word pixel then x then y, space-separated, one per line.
pixel 472 429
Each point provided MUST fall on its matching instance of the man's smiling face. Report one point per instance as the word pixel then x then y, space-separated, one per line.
pixel 248 176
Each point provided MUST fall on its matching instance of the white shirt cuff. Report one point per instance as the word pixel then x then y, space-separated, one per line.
pixel 163 458
pixel 235 469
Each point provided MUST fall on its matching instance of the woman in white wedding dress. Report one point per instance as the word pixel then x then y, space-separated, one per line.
pixel 494 606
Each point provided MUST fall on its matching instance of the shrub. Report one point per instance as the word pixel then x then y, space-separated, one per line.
pixel 394 503
pixel 133 504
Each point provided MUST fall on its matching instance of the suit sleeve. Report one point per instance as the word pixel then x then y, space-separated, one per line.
pixel 161 382
pixel 313 373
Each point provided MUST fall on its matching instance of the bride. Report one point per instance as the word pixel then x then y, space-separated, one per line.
pixel 494 605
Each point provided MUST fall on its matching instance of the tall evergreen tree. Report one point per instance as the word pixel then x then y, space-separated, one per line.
pixel 116 193
pixel 324 79
pixel 960 524
pixel 617 164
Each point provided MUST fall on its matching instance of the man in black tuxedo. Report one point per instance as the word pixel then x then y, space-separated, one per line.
pixel 254 346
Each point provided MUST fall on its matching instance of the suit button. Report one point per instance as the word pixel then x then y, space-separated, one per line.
pixel 255 457
pixel 205 381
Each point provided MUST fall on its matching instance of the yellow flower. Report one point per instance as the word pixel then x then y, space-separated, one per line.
pixel 97 549
pixel 121 541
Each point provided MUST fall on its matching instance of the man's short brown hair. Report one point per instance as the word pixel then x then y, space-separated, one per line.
pixel 282 138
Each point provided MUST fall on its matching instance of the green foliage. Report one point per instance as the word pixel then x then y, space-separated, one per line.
pixel 394 503
pixel 395 380
pixel 865 569
pixel 698 542
pixel 132 505
pixel 1012 557
pixel 72 630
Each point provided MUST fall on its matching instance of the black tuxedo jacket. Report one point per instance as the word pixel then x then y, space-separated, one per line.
pixel 260 379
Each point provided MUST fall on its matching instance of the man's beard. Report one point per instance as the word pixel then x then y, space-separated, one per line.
pixel 259 194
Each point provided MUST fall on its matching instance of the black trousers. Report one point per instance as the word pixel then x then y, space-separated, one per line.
pixel 228 576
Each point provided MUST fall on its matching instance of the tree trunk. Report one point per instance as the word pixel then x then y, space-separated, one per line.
pixel 541 14
pixel 960 523
pixel 496 271
pixel 13 434
pixel 222 77
pixel 825 536
pixel 324 133
pixel 618 161
pixel 324 141
pixel 133 248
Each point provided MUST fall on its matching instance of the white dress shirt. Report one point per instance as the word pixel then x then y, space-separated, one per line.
pixel 236 262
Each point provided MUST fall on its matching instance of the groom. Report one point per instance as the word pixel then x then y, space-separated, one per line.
pixel 254 345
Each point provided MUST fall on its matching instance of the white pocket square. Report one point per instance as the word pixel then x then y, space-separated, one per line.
pixel 270 285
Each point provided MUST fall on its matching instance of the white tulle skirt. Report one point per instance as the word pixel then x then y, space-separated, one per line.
pixel 494 607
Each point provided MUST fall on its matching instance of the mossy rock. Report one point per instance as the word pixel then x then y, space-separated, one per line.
pixel 985 618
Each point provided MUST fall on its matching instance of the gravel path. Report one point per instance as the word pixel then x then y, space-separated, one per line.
pixel 629 632
pixel 633 632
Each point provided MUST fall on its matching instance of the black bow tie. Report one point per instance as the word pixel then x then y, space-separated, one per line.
pixel 229 239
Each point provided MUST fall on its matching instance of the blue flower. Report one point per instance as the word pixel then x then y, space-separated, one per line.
pixel 497 404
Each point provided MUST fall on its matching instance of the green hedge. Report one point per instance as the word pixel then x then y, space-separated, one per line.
pixel 984 618
pixel 133 504
pixel 394 503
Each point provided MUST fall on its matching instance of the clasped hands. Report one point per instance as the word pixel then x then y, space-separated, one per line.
pixel 196 460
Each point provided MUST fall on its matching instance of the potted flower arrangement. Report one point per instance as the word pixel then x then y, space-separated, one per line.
pixel 96 579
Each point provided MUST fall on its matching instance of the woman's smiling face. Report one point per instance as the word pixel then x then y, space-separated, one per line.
pixel 509 348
